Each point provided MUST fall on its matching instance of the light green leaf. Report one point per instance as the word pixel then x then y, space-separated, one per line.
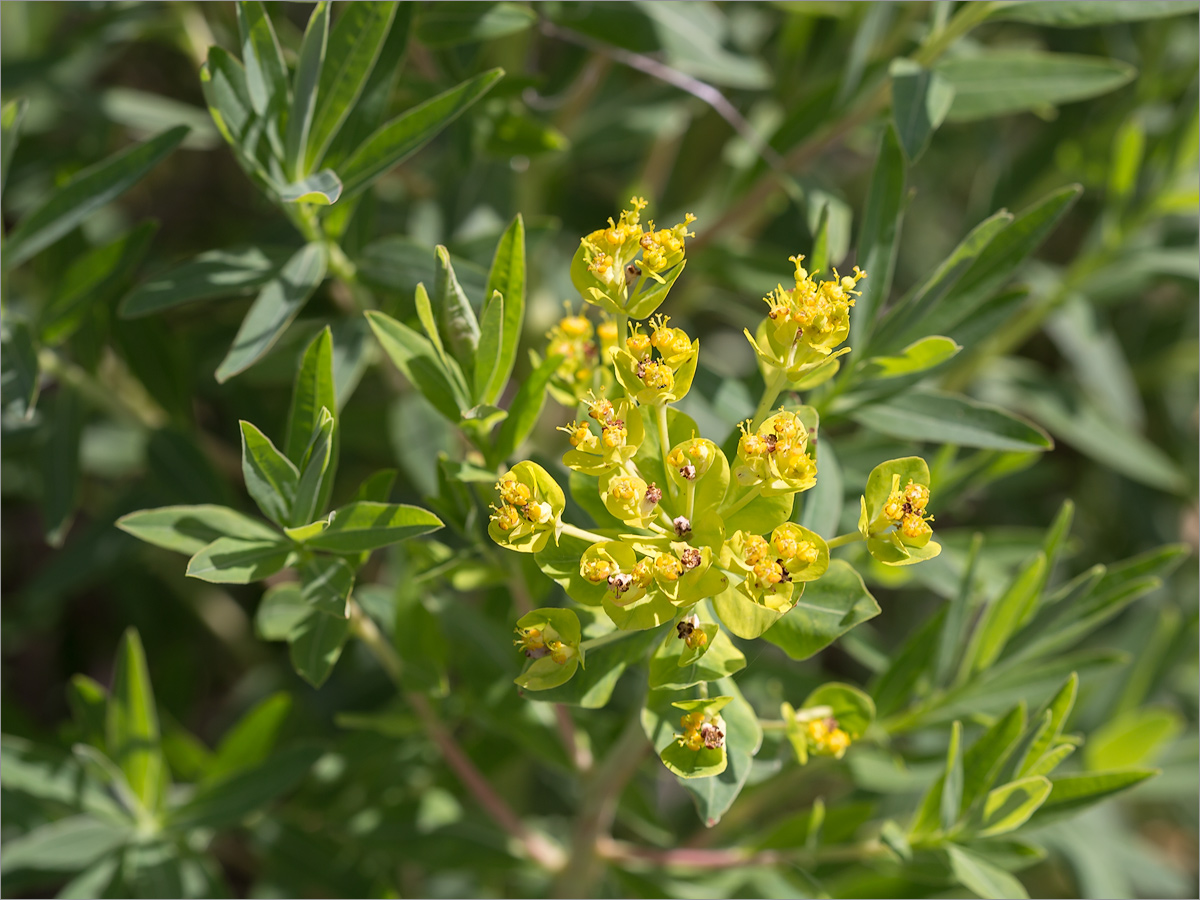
pixel 230 560
pixel 66 845
pixel 249 742
pixel 11 115
pixel 326 583
pixel 720 659
pixel 984 759
pixel 131 724
pixel 608 657
pixel 1085 14
pixel 226 802
pixel 1003 616
pixel 983 878
pixel 952 780
pixel 951 419
pixel 398 139
pixel 486 365
pixel 1009 807
pixel 456 317
pixel 418 359
pixel 315 645
pixel 507 276
pixel 319 189
pixel 920 101
pixel 828 608
pixel 266 72
pixel 1132 738
pixel 1059 706
pixel 354 46
pixel 919 356
pixel 217 273
pixel 227 94
pixel 316 472
pixel 304 89
pixel 85 193
pixel 272 312
pixel 367 525
pixel 524 411
pixel 270 477
pixel 823 504
pixel 1071 794
pixel 314 389
pixel 280 612
pixel 188 529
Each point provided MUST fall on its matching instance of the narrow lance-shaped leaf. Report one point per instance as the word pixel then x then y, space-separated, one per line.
pixel 313 389
pixel 951 419
pixel 920 101
pixel 355 44
pixel 271 478
pixel 456 317
pixel 250 741
pixel 227 94
pixel 188 529
pixel 315 471
pixel 266 72
pixel 304 89
pixel 367 525
pixel 216 273
pixel 396 140
pixel 131 724
pixel 19 381
pixel 880 236
pixel 417 358
pixel 491 346
pixel 507 276
pixel 84 194
pixel 279 302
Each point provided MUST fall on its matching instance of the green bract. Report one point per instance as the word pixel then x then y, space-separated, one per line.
pixel 699 751
pixel 531 506
pixel 892 517
pixel 549 638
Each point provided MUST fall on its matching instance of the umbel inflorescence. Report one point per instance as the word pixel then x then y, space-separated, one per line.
pixel 686 538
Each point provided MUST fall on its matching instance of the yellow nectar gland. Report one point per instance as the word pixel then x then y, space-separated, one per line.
pixel 700 733
pixel 696 640
pixel 827 737
pixel 668 567
pixel 597 570
pixel 906 508
pixel 559 652
pixel 914 526
pixel 507 518
pixel 601 410
pixel 785 545
pixel 750 444
pixel 806 552
pixel 615 435
pixel 657 376
pixel 624 489
pixel 787 426
pixel 530 641
pixel 638 344
pixel 676 459
pixel 917 496
pixel 512 491
pixel 580 433
pixel 768 573
pixel 601 266
pixel 755 551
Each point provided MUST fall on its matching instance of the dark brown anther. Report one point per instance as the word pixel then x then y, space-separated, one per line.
pixel 713 737
pixel 787 576
pixel 683 527
pixel 653 493
pixel 690 558
pixel 688 472
pixel 632 274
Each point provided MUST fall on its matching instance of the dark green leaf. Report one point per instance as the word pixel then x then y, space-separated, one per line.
pixel 1071 794
pixel 985 758
pixel 524 411
pixel 326 582
pixel 304 89
pixel 131 726
pixel 367 525
pixel 828 608
pixel 880 236
pixel 10 128
pixel 266 72
pixel 315 645
pixel 280 612
pixel 951 419
pixel 1003 616
pixel 84 194
pixel 276 306
pixel 217 273
pixel 226 802
pixel 270 477
pixel 355 44
pixel 51 775
pixel 316 473
pixel 983 878
pixel 449 24
pixel 188 529
pixel 19 381
pixel 313 390
pixel 456 317
pixel 60 464
pixel 230 560
pixel 1084 14
pixel 416 357
pixel 250 741
pixel 920 101
pixel 401 137
pixel 1001 82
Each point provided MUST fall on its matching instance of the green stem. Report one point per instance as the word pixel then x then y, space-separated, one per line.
pixel 584 535
pixel 751 494
pixel 771 391
pixel 664 443
pixel 843 539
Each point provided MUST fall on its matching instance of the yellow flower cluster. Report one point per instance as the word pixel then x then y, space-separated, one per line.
pixel 702 731
pixel 827 738
pixel 906 508
pixel 777 455
pixel 573 338
pixel 813 313
pixel 536 643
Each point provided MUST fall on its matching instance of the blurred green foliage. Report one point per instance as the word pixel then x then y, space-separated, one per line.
pixel 881 134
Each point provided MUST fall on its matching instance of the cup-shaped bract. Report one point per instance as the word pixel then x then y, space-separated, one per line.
pixel 831 718
pixel 550 640
pixel 612 442
pixel 699 750
pixel 775 456
pixel 894 517
pixel 530 509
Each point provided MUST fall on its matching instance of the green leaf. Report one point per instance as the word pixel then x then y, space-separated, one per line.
pixel 456 316
pixel 507 276
pixel 560 562
pixel 951 419
pixel 50 775
pixel 952 640
pixel 880 236
pixel 417 358
pixel 1132 738
pixel 1001 82
pixel 1009 807
pixel 280 612
pixel 66 845
pixel 1059 706
pixel 919 356
pixel 398 139
pixel 217 273
pixel 227 93
pixel 250 741
pixel 131 724
pixel 1071 794
pixel 85 193
pixel 920 101
pixel 354 46
pixel 607 659
pixel 952 780
pixel 19 381
pixel 1004 615
pixel 447 25
pixel 743 738
pixel 266 72
pixel 188 529
pixel 1085 14
pixel 11 115
pixel 893 689
pixel 366 525
pixel 319 189
pixel 304 89
pixel 316 474
pixel 315 645
pixel 486 365
pixel 984 759
pixel 524 411
pixel 270 477
pixel 314 389
pixel 60 463
pixel 983 878
pixel 719 659
pixel 326 583
pixel 226 802
pixel 823 504
pixel 828 608
pixel 92 281
pixel 998 258
pixel 277 304
pixel 230 560
pixel 421 643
